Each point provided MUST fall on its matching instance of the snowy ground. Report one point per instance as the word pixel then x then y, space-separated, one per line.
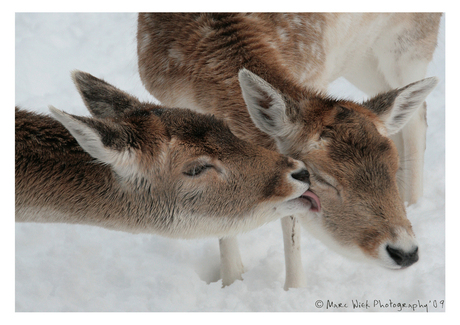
pixel 82 268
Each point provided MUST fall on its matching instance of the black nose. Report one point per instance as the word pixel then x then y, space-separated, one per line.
pixel 303 175
pixel 401 257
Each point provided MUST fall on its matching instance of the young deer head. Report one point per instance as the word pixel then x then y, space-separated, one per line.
pixel 149 169
pixel 352 163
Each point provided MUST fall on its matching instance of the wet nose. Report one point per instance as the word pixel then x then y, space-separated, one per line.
pixel 402 257
pixel 302 175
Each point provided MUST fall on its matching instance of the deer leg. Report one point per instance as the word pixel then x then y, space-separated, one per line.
pixel 370 80
pixel 404 60
pixel 379 73
pixel 231 266
pixel 295 276
pixel 414 137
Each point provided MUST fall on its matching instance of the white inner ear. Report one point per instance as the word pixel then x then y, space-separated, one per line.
pixel 123 161
pixel 265 105
pixel 407 103
pixel 86 137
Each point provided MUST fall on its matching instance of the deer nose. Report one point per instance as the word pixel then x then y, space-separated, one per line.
pixel 402 257
pixel 303 176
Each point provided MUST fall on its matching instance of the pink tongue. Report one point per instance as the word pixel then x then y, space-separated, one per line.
pixel 315 198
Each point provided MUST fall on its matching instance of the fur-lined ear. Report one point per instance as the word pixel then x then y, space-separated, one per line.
pixel 266 106
pixel 396 107
pixel 101 98
pixel 104 140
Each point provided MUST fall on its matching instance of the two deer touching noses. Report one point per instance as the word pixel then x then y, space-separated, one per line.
pixel 275 147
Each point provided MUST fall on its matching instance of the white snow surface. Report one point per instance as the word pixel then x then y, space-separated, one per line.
pixel 61 267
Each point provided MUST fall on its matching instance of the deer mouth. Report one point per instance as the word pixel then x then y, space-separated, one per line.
pixel 313 199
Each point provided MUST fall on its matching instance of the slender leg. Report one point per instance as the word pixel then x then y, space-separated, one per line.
pixel 414 137
pixel 231 266
pixel 381 73
pixel 295 276
pixel 403 58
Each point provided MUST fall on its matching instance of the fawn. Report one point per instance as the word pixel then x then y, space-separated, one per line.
pixel 266 75
pixel 147 168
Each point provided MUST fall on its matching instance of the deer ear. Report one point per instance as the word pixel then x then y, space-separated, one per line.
pixel 101 98
pixel 265 105
pixel 396 107
pixel 102 139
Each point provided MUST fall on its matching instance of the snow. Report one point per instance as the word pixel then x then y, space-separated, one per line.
pixel 62 267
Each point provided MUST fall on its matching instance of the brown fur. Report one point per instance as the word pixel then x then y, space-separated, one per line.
pixel 193 60
pixel 146 187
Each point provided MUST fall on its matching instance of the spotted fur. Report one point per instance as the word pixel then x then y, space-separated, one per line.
pixel 266 75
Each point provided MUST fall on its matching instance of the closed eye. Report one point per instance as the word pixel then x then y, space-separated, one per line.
pixel 321 180
pixel 197 169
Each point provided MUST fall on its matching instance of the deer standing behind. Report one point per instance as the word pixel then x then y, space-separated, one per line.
pixel 266 75
pixel 145 168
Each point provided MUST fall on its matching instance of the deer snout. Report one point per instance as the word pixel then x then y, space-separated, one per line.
pixel 301 175
pixel 402 257
pixel 401 252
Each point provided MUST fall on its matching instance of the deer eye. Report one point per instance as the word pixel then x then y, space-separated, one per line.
pixel 197 169
pixel 322 181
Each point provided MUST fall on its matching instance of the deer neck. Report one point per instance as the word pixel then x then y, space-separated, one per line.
pixel 56 181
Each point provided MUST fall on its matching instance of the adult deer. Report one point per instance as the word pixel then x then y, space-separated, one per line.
pixel 146 168
pixel 266 75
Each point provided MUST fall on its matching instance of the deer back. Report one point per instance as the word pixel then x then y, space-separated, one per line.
pixel 265 73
